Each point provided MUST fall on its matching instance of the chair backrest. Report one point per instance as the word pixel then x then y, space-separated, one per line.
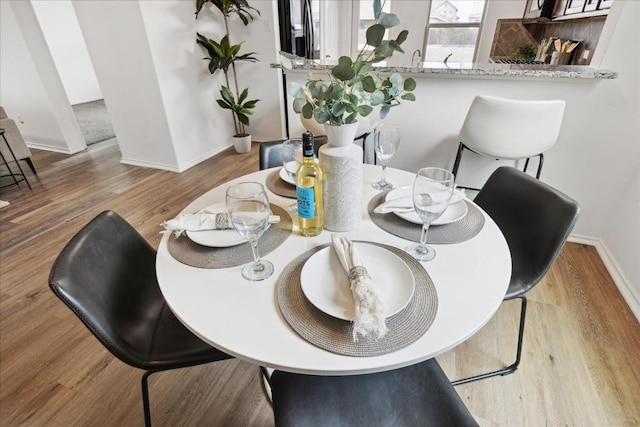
pixel 106 276
pixel 535 218
pixel 270 154
pixel 13 138
pixel 511 129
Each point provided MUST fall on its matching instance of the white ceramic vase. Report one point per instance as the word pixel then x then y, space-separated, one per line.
pixel 341 164
pixel 242 144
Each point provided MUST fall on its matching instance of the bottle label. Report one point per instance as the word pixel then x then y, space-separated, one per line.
pixel 306 203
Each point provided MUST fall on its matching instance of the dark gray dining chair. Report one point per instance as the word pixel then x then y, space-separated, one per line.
pixel 106 275
pixel 270 153
pixel 416 395
pixel 536 220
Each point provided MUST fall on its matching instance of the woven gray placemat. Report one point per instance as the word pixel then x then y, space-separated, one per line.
pixel 276 185
pixel 335 335
pixel 188 252
pixel 455 232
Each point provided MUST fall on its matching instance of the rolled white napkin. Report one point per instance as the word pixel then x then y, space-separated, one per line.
pixel 369 305
pixel 203 221
pixel 405 204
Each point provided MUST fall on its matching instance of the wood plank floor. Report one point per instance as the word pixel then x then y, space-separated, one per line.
pixel 582 343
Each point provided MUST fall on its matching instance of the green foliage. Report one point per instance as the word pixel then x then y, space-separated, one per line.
pixel 527 52
pixel 354 88
pixel 241 108
pixel 223 55
pixel 228 7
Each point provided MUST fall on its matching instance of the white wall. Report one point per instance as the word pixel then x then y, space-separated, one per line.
pixel 30 88
pixel 62 33
pixel 117 42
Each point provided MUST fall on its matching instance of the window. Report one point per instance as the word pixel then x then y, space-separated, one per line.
pixel 452 30
pixel 436 28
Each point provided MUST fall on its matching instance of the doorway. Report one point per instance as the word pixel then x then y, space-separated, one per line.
pixel 69 52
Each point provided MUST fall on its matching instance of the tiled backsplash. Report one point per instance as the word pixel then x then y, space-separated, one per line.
pixel 512 34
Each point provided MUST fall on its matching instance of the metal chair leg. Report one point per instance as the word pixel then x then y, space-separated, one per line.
pixel 511 368
pixel 540 166
pixel 456 164
pixel 145 398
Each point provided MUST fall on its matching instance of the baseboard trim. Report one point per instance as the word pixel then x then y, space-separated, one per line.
pixel 151 165
pixel 623 285
pixel 181 168
pixel 55 149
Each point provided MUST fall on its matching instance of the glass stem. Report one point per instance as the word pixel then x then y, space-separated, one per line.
pixel 384 166
pixel 423 238
pixel 257 265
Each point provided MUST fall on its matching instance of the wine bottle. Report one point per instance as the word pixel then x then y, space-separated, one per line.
pixel 309 190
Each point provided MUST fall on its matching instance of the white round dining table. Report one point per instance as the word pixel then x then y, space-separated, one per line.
pixel 243 318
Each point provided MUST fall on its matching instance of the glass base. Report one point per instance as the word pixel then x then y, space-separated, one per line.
pixel 382 185
pixel 421 252
pixel 293 208
pixel 260 271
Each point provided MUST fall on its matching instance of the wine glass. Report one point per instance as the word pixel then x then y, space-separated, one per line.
pixel 386 138
pixel 291 157
pixel 432 191
pixel 291 160
pixel 248 208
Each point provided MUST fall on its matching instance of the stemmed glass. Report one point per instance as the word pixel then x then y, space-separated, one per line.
pixel 432 191
pixel 248 208
pixel 386 138
pixel 291 159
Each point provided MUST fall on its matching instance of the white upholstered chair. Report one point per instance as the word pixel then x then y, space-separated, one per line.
pixel 15 140
pixel 510 129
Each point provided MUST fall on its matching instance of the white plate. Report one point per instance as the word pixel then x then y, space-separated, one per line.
pixel 216 238
pixel 285 177
pixel 455 211
pixel 325 284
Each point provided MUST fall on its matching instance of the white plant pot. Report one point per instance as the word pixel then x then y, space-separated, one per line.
pixel 341 135
pixel 242 144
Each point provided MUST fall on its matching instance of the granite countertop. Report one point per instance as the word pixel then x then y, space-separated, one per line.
pixel 475 69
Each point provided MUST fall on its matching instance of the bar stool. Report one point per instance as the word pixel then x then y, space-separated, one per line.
pixel 510 129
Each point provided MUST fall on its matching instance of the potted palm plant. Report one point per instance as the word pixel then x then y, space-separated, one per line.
pixel 223 55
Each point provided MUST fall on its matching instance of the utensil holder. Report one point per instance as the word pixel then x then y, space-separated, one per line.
pixel 560 58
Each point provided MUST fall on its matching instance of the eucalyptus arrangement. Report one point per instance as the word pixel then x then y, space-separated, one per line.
pixel 223 55
pixel 354 87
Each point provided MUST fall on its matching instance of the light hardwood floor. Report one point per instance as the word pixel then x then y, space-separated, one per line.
pixel 581 353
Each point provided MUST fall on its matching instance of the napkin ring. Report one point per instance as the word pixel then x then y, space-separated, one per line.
pixel 358 272
pixel 222 221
